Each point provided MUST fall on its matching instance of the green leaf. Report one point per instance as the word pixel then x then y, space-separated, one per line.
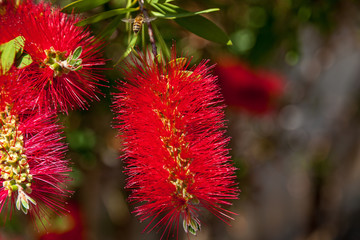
pixel 157 8
pixel 129 49
pixel 24 61
pixel 19 45
pixel 185 226
pixel 83 5
pixel 160 1
pixel 110 28
pixel 25 203
pixel 77 68
pixel 18 203
pixel 204 28
pixel 8 55
pixel 31 200
pixel 180 13
pixel 192 231
pixel 167 7
pixel 25 210
pixel 105 15
pixel 78 63
pixel 77 52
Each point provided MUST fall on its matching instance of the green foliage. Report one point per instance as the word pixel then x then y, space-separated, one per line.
pixel 162 9
pixel 256 28
pixel 105 15
pixel 193 22
pixel 129 48
pixel 110 28
pixel 83 5
pixel 172 12
pixel 160 1
pixel 23 61
pixel 204 28
pixel 76 54
pixel 12 52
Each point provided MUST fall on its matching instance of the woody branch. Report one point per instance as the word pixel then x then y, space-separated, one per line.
pixel 150 30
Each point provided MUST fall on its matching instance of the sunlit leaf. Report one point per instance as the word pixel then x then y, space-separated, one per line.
pixel 8 56
pixel 204 28
pixel 161 11
pixel 19 45
pixel 105 15
pixel 166 7
pixel 83 5
pixel 160 1
pixel 24 61
pixel 9 51
pixel 180 13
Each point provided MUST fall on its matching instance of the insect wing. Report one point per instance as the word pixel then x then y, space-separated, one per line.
pixel 128 20
pixel 149 19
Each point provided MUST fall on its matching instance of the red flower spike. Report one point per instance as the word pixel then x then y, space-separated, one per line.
pixel 255 92
pixel 172 122
pixel 33 172
pixel 14 87
pixel 66 58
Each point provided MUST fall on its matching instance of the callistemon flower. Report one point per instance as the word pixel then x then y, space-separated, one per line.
pixel 172 122
pixel 66 58
pixel 257 92
pixel 15 87
pixel 33 172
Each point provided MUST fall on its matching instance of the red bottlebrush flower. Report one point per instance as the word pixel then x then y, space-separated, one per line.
pixel 256 92
pixel 33 171
pixel 15 87
pixel 172 124
pixel 64 72
pixel 7 33
pixel 72 226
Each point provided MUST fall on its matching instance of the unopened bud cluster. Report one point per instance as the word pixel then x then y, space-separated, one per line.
pixel 61 64
pixel 15 171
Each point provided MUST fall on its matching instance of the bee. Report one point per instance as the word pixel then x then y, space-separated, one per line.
pixel 138 21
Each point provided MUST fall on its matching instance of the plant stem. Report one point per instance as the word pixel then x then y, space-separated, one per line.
pixel 150 30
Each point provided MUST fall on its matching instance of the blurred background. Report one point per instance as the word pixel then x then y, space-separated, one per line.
pixel 291 81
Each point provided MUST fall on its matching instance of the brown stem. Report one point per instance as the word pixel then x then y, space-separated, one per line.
pixel 150 30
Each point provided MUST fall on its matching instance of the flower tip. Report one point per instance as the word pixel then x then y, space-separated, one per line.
pixel 191 225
